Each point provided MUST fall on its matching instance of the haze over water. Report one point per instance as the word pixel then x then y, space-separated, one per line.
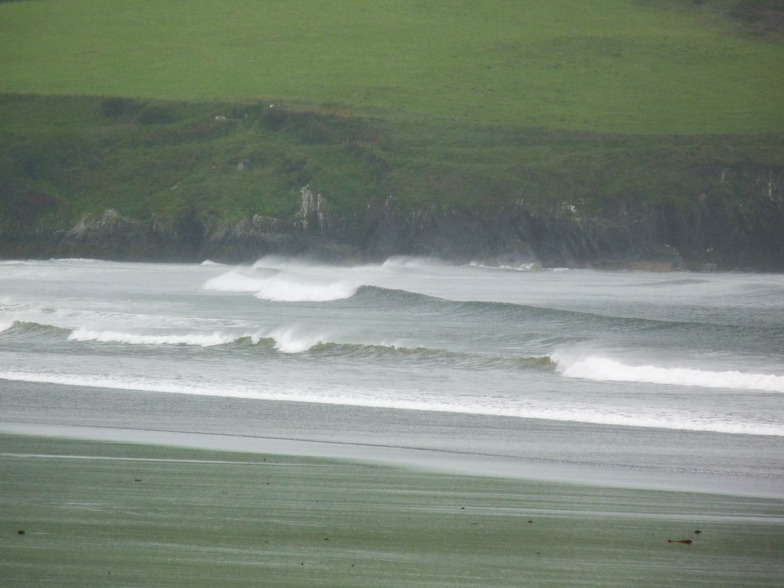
pixel 663 373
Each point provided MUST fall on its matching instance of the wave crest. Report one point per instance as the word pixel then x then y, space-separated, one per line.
pixel 289 340
pixel 25 329
pixel 197 339
pixel 600 368
pixel 283 287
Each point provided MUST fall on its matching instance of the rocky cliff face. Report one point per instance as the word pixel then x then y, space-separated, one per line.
pixel 713 230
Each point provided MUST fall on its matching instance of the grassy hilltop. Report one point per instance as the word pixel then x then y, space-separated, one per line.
pixel 614 65
pixel 157 108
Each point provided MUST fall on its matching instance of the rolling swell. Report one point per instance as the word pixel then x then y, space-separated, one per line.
pixel 28 332
pixel 23 331
pixel 489 310
pixel 458 359
pixel 288 341
pixel 580 326
pixel 589 367
pixel 281 340
pixel 364 288
pixel 379 297
pixel 504 311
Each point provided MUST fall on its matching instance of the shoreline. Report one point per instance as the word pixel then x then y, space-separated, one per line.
pixel 507 447
pixel 80 512
pixel 425 460
pixel 108 487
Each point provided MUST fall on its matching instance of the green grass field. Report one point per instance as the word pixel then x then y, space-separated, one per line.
pixel 609 65
pixel 161 110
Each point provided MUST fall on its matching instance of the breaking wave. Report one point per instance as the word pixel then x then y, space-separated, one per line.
pixel 281 280
pixel 28 330
pixel 294 339
pixel 595 367
pixel 284 287
pixel 198 339
pixel 285 339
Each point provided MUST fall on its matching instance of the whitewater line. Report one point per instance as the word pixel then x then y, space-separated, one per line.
pixel 604 369
pixel 607 416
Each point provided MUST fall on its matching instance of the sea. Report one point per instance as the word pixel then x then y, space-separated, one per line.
pixel 655 380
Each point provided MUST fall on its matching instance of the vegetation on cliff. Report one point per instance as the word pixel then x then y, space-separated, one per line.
pixel 206 113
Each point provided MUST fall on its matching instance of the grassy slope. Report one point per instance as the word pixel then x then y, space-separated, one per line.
pixel 446 102
pixel 67 157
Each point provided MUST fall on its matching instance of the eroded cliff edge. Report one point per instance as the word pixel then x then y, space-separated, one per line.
pixel 122 179
pixel 707 233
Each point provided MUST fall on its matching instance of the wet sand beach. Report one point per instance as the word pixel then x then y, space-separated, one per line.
pixel 143 489
pixel 85 513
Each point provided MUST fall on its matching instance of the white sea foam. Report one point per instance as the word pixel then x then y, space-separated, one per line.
pixel 595 367
pixel 4 326
pixel 579 413
pixel 523 267
pixel 278 262
pixel 402 261
pixel 234 281
pixel 104 381
pixel 197 339
pixel 289 340
pixel 288 280
pixel 286 339
pixel 285 286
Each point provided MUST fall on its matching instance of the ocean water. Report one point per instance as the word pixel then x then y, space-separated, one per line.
pixel 666 375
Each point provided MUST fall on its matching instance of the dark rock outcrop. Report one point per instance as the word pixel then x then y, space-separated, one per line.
pixel 115 236
pixel 713 230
